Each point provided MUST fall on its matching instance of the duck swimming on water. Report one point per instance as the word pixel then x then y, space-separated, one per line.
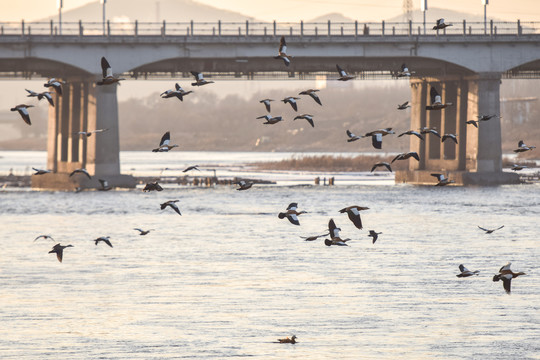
pixel 292 340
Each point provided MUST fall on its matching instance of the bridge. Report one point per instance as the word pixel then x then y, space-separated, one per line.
pixel 466 62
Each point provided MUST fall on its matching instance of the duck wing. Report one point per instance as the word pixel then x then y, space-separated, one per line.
pixel 316 98
pixel 105 67
pixel 165 139
pixel 293 219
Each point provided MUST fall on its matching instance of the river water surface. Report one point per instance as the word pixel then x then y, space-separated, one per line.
pixel 228 277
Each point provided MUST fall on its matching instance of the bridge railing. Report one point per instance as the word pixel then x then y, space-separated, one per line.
pixel 250 28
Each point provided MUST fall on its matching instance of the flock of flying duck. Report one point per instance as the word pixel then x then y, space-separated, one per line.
pixel 291 214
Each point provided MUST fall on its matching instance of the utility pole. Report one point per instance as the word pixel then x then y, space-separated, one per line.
pixel 423 7
pixel 407 10
pixel 59 5
pixel 103 3
pixel 485 3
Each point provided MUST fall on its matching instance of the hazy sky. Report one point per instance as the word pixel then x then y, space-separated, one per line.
pixel 294 10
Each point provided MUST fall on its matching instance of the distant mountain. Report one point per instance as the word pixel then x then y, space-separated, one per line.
pixel 417 16
pixel 333 17
pixel 436 13
pixel 150 11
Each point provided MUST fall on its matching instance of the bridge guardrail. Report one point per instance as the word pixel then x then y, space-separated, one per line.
pixel 250 28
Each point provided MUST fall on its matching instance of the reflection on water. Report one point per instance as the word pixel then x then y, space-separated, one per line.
pixel 228 278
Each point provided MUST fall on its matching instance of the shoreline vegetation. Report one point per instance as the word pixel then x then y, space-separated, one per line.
pixel 331 163
pixel 339 163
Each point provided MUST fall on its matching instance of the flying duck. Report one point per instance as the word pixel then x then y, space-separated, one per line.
pixel 311 92
pixel 143 232
pixel 442 180
pixel 436 101
pixel 377 135
pixel 521 146
pixel 516 167
pixel 334 235
pixel 55 84
pixel 105 239
pixel 405 156
pixel 266 103
pixel 473 123
pixel 106 71
pixel 466 272
pixel 291 100
pixel 40 171
pixel 172 205
pixel 403 106
pixel 308 117
pixel 104 185
pixel 380 164
pixel 426 130
pixel 292 340
pixel 506 275
pixel 152 186
pixel 193 167
pixel 352 137
pixel 343 76
pixel 404 71
pixel 486 117
pixel 449 136
pixel 80 171
pixel 89 133
pixel 441 25
pixel 312 238
pixel 270 120
pixel 354 214
pixel 164 143
pixel 59 250
pixel 291 214
pixel 42 95
pixel 23 111
pixel 44 237
pixel 412 132
pixel 374 235
pixel 199 79
pixel 282 53
pixel 244 185
pixel 178 93
pixel 489 231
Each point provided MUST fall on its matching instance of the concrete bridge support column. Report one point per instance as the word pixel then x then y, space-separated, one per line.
pixel 477 158
pixel 83 106
pixel 103 149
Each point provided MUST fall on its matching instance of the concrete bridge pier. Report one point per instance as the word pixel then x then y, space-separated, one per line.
pixel 477 158
pixel 83 106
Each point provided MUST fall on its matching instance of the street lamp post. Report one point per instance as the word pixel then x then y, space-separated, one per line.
pixel 485 3
pixel 423 7
pixel 103 3
pixel 59 6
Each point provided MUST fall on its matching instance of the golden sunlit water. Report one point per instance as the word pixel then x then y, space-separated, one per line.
pixel 228 277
